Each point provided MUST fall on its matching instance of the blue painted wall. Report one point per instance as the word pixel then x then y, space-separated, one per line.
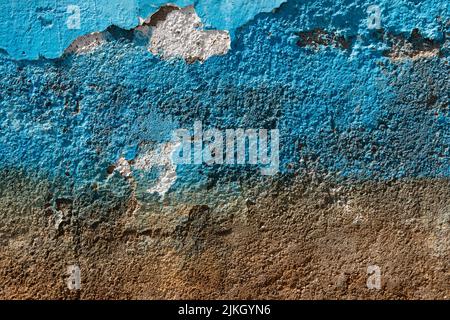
pixel 348 113
pixel 30 29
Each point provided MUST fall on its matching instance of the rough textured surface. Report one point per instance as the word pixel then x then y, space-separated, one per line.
pixel 45 28
pixel 364 177
pixel 171 33
pixel 179 35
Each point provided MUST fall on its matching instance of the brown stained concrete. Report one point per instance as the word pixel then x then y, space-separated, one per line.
pixel 297 240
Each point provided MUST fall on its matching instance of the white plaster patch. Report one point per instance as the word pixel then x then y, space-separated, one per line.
pixel 87 43
pixel 179 35
pixel 123 167
pixel 161 157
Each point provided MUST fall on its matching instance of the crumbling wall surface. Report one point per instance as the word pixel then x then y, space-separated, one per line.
pixel 358 91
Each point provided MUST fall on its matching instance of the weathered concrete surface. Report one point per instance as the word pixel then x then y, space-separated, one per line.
pixel 365 157
pixel 43 28
pixel 302 239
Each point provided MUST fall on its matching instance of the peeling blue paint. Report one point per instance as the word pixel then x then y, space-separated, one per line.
pixel 30 29
pixel 352 115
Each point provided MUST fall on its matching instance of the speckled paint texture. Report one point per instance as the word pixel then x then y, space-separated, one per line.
pixel 364 176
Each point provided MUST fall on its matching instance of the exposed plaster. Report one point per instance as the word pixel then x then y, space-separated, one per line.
pixel 87 43
pixel 52 36
pixel 160 158
pixel 180 35
pixel 397 47
pixel 171 33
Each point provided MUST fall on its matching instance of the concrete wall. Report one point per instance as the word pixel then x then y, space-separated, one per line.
pixel 358 91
